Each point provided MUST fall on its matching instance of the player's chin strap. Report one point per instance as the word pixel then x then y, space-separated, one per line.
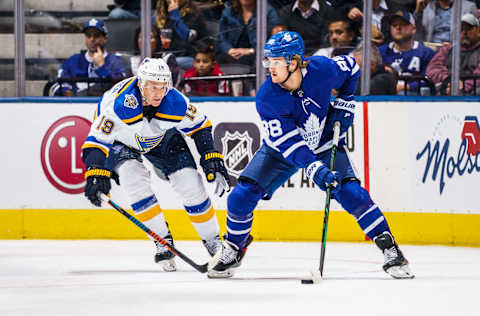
pixel 289 74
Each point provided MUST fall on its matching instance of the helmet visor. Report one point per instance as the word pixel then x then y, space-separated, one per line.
pixel 272 63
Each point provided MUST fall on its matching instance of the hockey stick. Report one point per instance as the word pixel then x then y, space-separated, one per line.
pixel 315 276
pixel 202 268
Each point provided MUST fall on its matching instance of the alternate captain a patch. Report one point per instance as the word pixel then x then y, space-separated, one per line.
pixel 130 101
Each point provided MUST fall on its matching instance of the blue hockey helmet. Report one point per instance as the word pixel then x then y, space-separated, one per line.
pixel 285 44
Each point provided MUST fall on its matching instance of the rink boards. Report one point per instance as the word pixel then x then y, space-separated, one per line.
pixel 419 161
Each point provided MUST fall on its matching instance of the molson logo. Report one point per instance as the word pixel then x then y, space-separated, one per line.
pixel 444 160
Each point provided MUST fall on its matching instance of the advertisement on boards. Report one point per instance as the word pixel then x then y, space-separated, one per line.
pixel 444 151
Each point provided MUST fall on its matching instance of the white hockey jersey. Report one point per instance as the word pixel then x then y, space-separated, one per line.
pixel 119 117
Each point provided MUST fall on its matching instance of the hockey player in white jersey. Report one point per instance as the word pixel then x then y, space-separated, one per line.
pixel 144 117
pixel 294 106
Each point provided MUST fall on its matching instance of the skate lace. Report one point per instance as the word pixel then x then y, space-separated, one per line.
pixel 213 244
pixel 228 254
pixel 390 254
pixel 161 248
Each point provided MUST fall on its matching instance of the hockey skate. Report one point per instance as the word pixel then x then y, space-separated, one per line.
pixel 213 245
pixel 396 265
pixel 164 257
pixel 227 259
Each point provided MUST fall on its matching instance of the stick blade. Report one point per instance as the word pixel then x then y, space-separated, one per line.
pixel 315 278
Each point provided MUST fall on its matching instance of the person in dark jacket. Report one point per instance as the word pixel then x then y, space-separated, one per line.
pixel 382 81
pixel 96 62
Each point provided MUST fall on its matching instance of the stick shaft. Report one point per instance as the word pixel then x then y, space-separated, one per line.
pixel 336 136
pixel 200 268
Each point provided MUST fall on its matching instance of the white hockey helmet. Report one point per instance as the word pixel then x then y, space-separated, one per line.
pixel 154 69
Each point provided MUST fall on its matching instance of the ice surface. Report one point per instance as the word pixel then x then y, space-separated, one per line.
pixel 117 278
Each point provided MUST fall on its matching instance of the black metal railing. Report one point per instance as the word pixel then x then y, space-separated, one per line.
pixel 95 86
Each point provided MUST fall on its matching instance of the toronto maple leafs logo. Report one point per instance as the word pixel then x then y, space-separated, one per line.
pixel 312 131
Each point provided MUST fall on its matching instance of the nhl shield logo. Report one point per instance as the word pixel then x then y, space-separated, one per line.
pixel 237 151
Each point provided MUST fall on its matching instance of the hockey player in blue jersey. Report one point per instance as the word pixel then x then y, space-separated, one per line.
pixel 297 116
pixel 144 117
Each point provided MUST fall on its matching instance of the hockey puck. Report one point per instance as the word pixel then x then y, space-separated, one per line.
pixel 307 281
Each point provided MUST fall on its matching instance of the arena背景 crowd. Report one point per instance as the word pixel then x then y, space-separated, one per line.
pixel 410 55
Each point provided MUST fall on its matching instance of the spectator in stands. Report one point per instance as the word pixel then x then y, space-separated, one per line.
pixel 341 36
pixel 157 51
pixel 183 17
pixel 434 18
pixel 238 31
pixel 155 45
pixel 307 18
pixel 127 9
pixel 439 68
pixel 96 62
pixel 404 54
pixel 382 81
pixel 204 64
pixel 351 8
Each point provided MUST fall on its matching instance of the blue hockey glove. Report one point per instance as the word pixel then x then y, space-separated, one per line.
pixel 343 111
pixel 98 181
pixel 215 171
pixel 323 176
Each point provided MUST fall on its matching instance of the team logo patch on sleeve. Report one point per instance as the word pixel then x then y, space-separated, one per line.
pixel 130 101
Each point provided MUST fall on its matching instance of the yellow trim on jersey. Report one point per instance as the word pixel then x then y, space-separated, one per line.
pixel 125 87
pixel 202 218
pixel 169 117
pixel 149 214
pixel 133 119
pixel 205 125
pixel 90 145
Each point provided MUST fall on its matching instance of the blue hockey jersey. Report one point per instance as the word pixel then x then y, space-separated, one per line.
pixel 413 61
pixel 294 123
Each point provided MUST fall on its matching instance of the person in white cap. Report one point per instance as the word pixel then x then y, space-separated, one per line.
pixel 440 67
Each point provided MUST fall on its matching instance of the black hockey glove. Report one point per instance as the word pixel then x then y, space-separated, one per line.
pixel 98 181
pixel 215 171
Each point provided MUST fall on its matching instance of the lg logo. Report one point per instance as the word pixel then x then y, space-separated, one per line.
pixel 60 153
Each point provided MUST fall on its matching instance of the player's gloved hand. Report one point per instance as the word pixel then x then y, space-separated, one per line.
pixel 98 181
pixel 323 176
pixel 342 110
pixel 215 171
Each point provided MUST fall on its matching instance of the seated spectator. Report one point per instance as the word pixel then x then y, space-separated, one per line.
pixel 341 35
pixel 238 31
pixel 435 18
pixel 382 81
pixel 96 62
pixel 351 8
pixel 127 9
pixel 307 18
pixel 155 44
pixel 404 54
pixel 183 17
pixel 204 65
pixel 439 68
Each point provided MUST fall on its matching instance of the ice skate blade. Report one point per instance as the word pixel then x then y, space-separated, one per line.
pixel 400 272
pixel 212 274
pixel 168 265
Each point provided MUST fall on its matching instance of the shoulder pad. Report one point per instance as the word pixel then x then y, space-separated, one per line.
pixel 173 107
pixel 128 103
